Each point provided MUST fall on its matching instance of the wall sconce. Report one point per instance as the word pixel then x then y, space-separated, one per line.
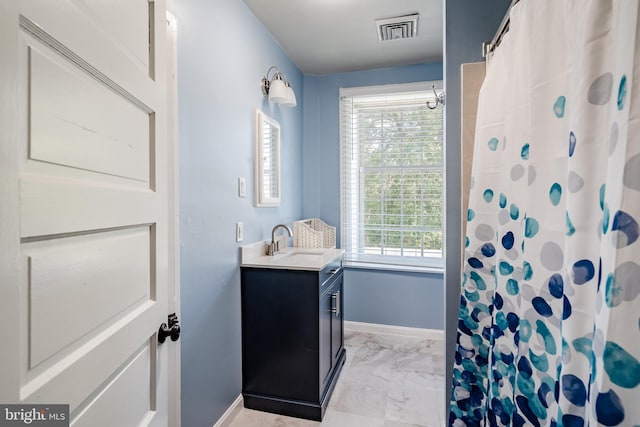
pixel 278 88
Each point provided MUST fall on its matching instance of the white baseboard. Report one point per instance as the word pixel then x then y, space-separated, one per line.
pixel 231 412
pixel 376 328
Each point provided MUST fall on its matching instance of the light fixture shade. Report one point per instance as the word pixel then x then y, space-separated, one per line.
pixel 278 91
pixel 291 98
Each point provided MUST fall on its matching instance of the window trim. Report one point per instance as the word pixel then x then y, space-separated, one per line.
pixel 428 264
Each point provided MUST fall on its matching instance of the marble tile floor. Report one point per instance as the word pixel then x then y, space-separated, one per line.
pixel 387 381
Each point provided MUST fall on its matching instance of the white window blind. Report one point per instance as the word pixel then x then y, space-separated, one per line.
pixel 392 186
pixel 270 160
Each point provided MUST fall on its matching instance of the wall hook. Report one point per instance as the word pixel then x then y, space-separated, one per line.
pixel 439 99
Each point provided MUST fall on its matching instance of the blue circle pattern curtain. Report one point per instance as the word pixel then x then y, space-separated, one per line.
pixel 549 325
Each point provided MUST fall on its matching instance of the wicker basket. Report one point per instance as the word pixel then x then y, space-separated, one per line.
pixel 313 233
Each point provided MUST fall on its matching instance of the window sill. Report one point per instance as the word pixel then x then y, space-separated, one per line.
pixel 393 267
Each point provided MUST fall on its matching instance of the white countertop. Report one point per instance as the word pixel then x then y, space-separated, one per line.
pixel 288 258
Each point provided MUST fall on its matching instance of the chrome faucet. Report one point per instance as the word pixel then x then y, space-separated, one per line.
pixel 274 247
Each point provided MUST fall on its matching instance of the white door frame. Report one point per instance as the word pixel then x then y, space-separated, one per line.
pixel 174 214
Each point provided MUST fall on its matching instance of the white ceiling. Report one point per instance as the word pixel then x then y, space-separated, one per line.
pixel 332 36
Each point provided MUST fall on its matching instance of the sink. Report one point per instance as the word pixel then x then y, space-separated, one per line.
pixel 299 252
pixel 300 256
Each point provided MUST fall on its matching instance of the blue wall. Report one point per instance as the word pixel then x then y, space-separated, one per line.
pixel 374 296
pixel 394 298
pixel 467 24
pixel 223 52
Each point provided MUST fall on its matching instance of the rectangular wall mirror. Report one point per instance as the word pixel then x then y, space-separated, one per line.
pixel 267 161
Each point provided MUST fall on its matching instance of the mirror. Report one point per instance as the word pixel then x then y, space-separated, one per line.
pixel 267 161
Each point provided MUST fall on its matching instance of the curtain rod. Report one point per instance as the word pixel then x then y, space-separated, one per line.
pixel 503 28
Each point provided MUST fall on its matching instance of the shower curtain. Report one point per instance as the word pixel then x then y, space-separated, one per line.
pixel 549 324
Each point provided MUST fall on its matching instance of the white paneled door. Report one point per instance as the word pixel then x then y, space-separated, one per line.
pixel 85 217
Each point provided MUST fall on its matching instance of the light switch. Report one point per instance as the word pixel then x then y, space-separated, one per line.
pixel 239 231
pixel 242 187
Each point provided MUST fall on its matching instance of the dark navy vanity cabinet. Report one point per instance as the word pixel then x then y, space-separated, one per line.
pixel 292 339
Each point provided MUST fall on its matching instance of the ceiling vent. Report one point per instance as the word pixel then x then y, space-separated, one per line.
pixel 400 27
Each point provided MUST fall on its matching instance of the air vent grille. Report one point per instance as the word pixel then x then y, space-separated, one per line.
pixel 400 27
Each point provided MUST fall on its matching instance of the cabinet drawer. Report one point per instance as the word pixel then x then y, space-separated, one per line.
pixel 329 274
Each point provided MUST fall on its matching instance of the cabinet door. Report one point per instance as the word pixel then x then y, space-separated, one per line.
pixel 337 324
pixel 326 355
pixel 280 333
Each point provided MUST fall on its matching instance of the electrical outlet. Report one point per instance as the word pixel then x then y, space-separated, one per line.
pixel 242 187
pixel 239 231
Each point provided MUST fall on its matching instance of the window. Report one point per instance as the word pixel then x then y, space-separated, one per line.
pixel 392 186
pixel 267 162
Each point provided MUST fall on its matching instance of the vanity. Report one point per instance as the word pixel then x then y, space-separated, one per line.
pixel 292 330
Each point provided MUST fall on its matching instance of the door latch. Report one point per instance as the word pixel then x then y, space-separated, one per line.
pixel 172 330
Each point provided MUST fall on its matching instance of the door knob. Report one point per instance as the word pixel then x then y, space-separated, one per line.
pixel 171 330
